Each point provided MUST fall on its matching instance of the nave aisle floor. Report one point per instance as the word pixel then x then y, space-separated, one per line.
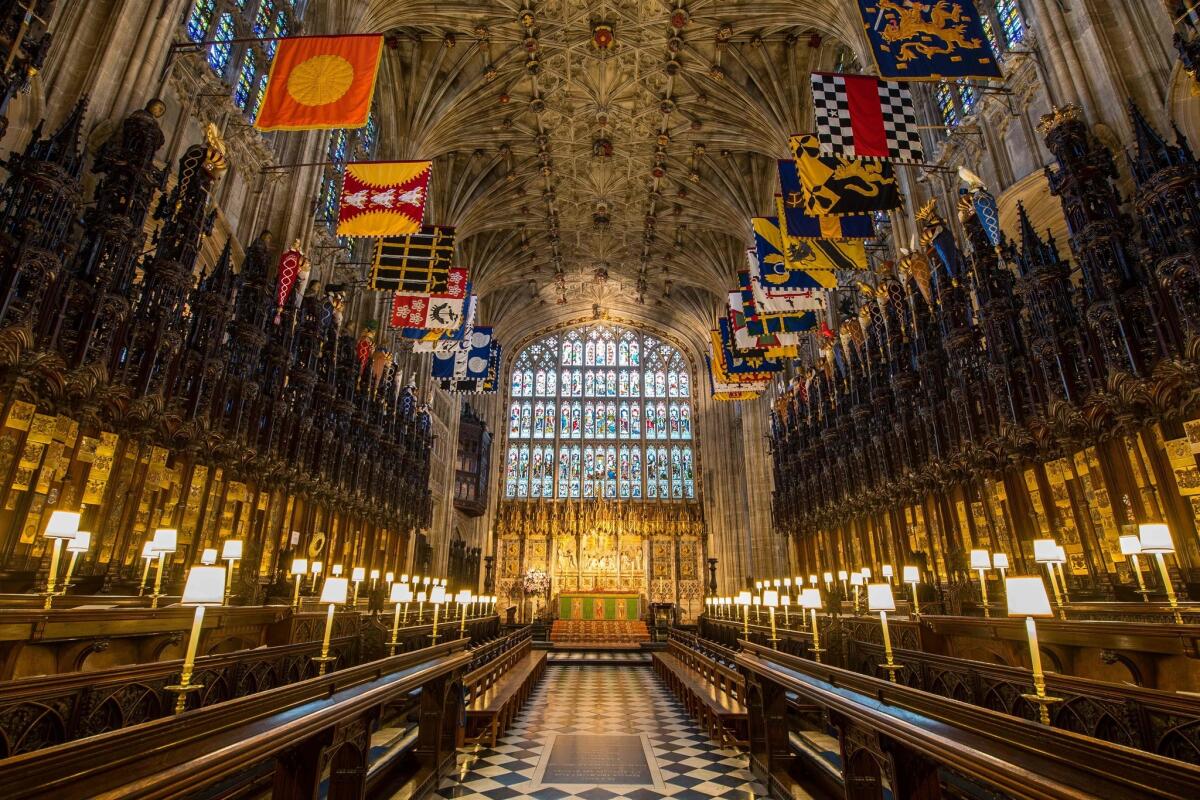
pixel 603 699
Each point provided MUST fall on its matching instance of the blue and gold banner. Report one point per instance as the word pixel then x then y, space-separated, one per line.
pixel 804 226
pixel 820 259
pixel 833 186
pixel 925 40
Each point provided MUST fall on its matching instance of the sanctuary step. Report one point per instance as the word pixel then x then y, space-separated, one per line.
pixel 599 633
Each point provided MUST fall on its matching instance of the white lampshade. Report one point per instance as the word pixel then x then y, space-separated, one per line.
pixel 810 598
pixel 770 598
pixel 299 566
pixel 912 575
pixel 887 571
pixel 1154 536
pixel 784 600
pixel 205 587
pixel 358 574
pixel 404 578
pixel 336 570
pixel 841 574
pixel 787 582
pixel 1045 551
pixel 421 596
pixel 743 599
pixel 232 549
pixel 148 550
pixel 474 599
pixel 334 591
pixel 981 559
pixel 758 585
pixel 81 542
pixel 812 579
pixel 463 597
pixel 390 577
pixel 757 600
pixel 1131 545
pixel 425 581
pixel 1060 553
pixel 1000 561
pixel 62 525
pixel 438 595
pixel 776 583
pixel 317 567
pixel 401 593
pixel 879 597
pixel 443 583
pixel 1027 597
pixel 799 581
pixel 856 579
pixel 165 540
pixel 374 574
pixel 828 577
pixel 209 556
pixel 866 573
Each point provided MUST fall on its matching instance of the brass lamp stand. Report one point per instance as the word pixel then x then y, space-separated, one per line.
pixel 333 592
pixel 1027 598
pixel 880 598
pixel 164 543
pixel 205 587
pixel 811 600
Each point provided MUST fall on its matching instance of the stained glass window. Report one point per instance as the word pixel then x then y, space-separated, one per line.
pixel 200 19
pixel 990 31
pixel 945 103
pixel 220 49
pixel 217 22
pixel 245 83
pixel 968 97
pixel 580 425
pixel 1010 22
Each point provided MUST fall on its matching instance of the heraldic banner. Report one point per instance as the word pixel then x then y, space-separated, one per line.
pixel 926 40
pixel 321 83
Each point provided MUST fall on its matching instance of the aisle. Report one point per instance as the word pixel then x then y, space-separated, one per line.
pixel 602 700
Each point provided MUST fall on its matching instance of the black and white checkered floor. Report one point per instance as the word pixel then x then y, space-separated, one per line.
pixel 603 699
pixel 603 656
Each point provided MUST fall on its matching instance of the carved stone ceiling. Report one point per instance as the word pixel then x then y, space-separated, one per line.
pixel 601 155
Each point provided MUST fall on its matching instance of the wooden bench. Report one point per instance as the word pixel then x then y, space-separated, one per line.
pixel 497 691
pixel 711 692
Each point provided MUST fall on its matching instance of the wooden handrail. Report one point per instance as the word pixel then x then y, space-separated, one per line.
pixel 175 756
pixel 1016 756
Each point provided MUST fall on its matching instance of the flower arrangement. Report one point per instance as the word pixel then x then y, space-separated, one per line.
pixel 536 582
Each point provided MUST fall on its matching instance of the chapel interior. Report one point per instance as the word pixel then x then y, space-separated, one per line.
pixel 599 399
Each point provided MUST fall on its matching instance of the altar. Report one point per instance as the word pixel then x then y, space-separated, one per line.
pixel 599 605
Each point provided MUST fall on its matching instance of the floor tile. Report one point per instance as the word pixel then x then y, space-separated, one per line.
pixel 590 696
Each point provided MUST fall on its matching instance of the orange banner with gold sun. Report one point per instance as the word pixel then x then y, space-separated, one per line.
pixel 321 82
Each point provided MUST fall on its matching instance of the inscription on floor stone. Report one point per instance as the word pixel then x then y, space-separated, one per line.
pixel 605 760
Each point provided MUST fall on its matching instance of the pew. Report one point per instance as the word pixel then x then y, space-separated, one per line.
pixel 711 691
pixel 1162 722
pixel 282 740
pixel 891 734
pixel 496 691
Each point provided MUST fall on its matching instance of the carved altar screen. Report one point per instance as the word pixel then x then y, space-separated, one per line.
pixel 599 480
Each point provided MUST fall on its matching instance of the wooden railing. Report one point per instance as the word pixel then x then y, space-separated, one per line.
pixel 1164 723
pixel 48 710
pixel 890 734
pixel 296 732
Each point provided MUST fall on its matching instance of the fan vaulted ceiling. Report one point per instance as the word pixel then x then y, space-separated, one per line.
pixel 601 157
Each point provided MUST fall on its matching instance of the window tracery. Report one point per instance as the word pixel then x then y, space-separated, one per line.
pixel 591 412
